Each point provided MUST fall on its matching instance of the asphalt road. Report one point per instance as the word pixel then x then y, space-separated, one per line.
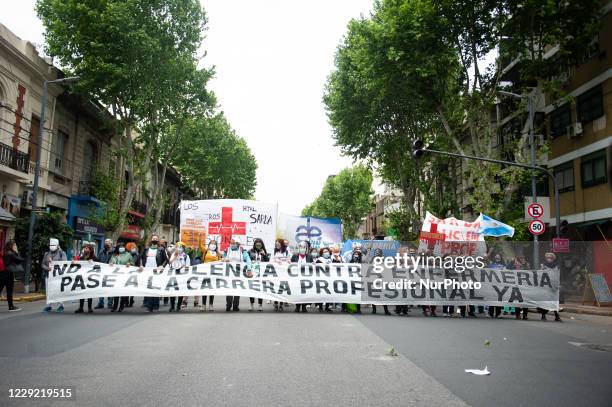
pixel 288 359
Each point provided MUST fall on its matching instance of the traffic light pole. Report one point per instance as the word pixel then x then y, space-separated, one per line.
pixel 512 164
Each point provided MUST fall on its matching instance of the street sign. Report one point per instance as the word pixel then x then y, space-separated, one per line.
pixel 536 227
pixel 560 245
pixel 535 210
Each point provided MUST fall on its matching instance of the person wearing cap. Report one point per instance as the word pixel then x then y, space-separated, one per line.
pixel 235 254
pixel 178 260
pixel 104 257
pixel 55 253
pixel 550 263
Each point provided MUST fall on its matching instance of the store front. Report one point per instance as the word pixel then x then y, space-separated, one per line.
pixel 81 209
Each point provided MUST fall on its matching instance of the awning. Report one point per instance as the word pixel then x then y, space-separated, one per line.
pixel 6 215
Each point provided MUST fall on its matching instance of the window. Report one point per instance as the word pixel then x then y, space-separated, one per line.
pixel 593 169
pixel 590 105
pixel 560 118
pixel 90 158
pixel 58 149
pixel 564 175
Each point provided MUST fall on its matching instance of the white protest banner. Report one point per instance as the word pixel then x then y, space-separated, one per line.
pixel 224 219
pixel 451 236
pixel 320 232
pixel 310 283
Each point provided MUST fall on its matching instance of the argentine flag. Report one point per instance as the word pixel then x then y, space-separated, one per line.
pixel 492 227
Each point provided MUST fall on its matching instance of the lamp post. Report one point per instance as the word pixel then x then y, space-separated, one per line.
pixel 43 103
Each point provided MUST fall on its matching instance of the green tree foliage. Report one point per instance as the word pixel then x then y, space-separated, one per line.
pixel 137 57
pixel 346 196
pixel 214 161
pixel 48 225
pixel 414 69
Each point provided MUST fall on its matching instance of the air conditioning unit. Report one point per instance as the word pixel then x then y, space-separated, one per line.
pixel 574 130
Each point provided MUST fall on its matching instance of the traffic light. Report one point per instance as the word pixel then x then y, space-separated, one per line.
pixel 417 149
pixel 564 227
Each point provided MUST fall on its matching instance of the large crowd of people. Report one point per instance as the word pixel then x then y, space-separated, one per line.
pixel 158 253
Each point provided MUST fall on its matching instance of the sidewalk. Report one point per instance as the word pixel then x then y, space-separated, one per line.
pixel 21 297
pixel 588 308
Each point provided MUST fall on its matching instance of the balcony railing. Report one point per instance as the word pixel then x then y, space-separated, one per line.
pixel 14 159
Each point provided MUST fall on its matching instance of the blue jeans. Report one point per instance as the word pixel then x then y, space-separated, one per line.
pixel 101 301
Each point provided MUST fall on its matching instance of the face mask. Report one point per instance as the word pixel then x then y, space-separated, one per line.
pixel 314 254
pixel 122 250
pixel 213 247
pixel 234 246
pixel 133 251
pixel 302 250
pixel 181 250
pixel 53 248
pixel 258 246
pixel 326 255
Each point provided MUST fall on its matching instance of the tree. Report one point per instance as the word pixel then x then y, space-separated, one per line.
pixel 135 57
pixel 392 69
pixel 214 161
pixel 48 225
pixel 346 196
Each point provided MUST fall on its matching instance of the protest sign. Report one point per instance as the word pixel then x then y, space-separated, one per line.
pixel 310 283
pixel 320 232
pixel 451 235
pixel 224 219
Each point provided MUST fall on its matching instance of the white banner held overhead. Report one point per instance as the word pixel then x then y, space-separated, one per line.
pixel 224 219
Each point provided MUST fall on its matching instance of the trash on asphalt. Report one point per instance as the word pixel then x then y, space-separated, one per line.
pixel 483 372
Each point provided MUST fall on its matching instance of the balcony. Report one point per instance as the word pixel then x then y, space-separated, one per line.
pixel 14 159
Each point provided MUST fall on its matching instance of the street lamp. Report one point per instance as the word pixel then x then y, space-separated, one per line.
pixel 43 104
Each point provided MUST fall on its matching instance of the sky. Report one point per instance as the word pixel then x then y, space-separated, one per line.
pixel 271 58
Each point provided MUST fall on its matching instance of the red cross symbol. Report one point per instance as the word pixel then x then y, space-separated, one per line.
pixel 432 236
pixel 227 227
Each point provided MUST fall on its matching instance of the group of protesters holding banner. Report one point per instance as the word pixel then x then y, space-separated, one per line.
pixel 158 254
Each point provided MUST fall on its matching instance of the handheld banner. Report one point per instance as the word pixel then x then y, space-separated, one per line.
pixel 311 283
pixel 451 236
pixel 321 232
pixel 224 219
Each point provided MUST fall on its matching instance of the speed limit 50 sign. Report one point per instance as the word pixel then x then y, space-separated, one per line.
pixel 536 227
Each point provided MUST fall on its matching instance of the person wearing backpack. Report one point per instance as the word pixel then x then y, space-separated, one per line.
pixel 10 264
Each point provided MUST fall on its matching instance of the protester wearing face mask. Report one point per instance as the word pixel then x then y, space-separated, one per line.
pixel 153 255
pixel 121 257
pixel 258 254
pixel 105 257
pixel 87 254
pixel 280 255
pixel 178 260
pixel 302 256
pixel 336 257
pixel 212 254
pixel 324 257
pixel 378 253
pixel 550 263
pixel 132 249
pixel 55 253
pixel 235 254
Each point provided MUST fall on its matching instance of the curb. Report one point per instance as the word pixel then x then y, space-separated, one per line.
pixel 30 298
pixel 604 311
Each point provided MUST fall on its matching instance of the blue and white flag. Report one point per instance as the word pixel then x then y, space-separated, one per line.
pixel 492 227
